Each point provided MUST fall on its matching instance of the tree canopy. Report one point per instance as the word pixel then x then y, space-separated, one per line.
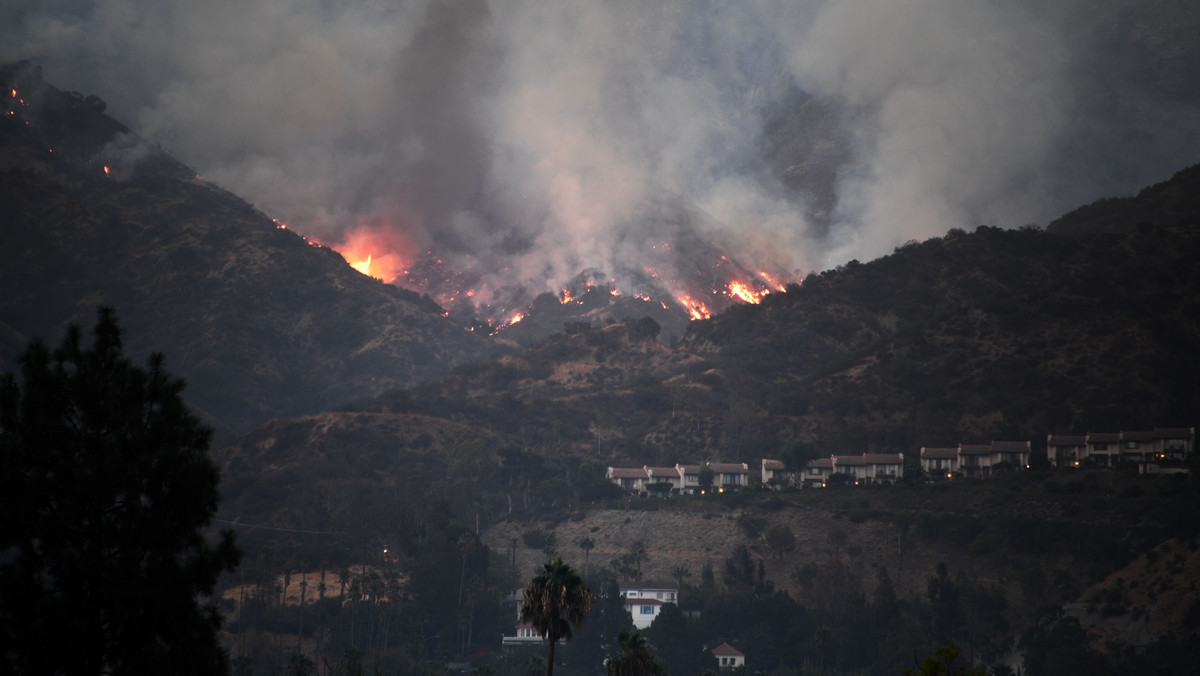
pixel 105 487
pixel 553 601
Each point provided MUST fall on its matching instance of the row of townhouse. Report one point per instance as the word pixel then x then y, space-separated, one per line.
pixel 1162 444
pixel 975 460
pixel 865 469
pixel 648 480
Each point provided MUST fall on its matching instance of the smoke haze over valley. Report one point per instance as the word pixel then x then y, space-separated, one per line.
pixel 527 141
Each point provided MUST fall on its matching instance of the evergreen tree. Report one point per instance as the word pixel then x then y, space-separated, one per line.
pixel 105 487
pixel 634 658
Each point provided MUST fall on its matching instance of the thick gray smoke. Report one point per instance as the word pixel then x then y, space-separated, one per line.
pixel 541 138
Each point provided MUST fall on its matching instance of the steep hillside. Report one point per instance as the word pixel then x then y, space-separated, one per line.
pixel 260 323
pixel 967 338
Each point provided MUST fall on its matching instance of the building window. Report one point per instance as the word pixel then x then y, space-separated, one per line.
pixel 647 610
pixel 1100 446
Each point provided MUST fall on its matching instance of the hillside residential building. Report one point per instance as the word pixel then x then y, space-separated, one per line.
pixel 690 475
pixel 631 479
pixel 668 479
pixel 1162 444
pixel 1065 450
pixel 817 472
pixel 730 476
pixel 864 469
pixel 728 657
pixel 664 481
pixel 939 461
pixel 525 636
pixel 884 467
pixel 775 474
pixel 646 601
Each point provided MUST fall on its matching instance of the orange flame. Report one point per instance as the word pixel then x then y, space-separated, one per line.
pixel 696 309
pixel 773 281
pixel 747 294
pixel 372 252
pixel 106 171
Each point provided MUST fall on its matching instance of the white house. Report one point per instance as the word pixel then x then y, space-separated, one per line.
pixel 817 472
pixel 525 635
pixel 631 479
pixel 728 657
pixel 729 476
pixel 884 467
pixel 775 474
pixel 670 476
pixel 646 601
pixel 939 462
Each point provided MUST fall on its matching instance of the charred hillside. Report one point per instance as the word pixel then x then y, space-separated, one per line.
pixel 259 322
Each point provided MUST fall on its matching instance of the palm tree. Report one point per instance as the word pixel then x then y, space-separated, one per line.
pixel 553 601
pixel 635 658
pixel 586 544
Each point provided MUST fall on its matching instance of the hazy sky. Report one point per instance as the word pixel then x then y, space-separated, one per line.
pixel 534 133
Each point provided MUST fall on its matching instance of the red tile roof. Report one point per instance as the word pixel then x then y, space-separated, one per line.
pixel 728 467
pixel 629 473
pixel 663 472
pixel 975 449
pixel 726 650
pixel 772 464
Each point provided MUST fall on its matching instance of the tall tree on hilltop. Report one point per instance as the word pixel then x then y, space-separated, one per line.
pixel 553 601
pixel 105 487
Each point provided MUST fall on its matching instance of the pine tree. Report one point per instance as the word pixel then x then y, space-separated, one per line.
pixel 105 487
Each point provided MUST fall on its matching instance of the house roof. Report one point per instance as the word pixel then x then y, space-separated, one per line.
pixel 773 464
pixel 688 469
pixel 1066 440
pixel 652 587
pixel 820 463
pixel 975 449
pixel 850 460
pixel 1137 436
pixel 663 472
pixel 729 467
pixel 1010 446
pixel 936 453
pixel 642 601
pixel 1093 437
pixel 1174 432
pixel 628 473
pixel 726 650
pixel 884 458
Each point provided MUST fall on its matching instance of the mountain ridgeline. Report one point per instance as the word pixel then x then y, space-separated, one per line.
pixel 259 322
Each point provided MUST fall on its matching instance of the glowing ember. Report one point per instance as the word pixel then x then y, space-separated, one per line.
pixel 106 171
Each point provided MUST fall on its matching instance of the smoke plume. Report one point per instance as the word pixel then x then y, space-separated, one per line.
pixel 538 139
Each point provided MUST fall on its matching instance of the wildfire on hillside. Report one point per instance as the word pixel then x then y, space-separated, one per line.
pixel 673 281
